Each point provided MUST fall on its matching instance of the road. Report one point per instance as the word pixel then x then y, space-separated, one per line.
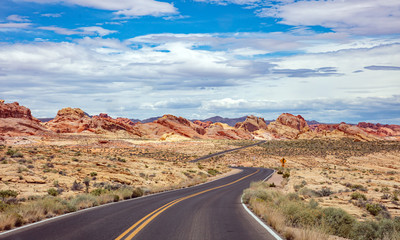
pixel 204 212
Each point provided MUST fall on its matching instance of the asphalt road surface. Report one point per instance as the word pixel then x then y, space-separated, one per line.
pixel 205 212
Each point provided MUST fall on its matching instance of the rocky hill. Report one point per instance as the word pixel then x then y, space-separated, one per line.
pixel 16 120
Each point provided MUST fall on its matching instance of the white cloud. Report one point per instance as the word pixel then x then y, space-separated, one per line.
pixel 59 30
pixel 128 8
pixel 226 2
pixel 15 25
pixel 365 17
pixel 172 73
pixel 18 18
pixel 79 31
pixel 97 30
pixel 54 15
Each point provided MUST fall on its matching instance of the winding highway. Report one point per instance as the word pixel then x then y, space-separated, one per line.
pixel 204 212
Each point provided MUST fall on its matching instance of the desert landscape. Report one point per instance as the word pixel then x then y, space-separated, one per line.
pixel 85 161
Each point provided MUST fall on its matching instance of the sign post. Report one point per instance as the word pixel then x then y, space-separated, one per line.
pixel 283 161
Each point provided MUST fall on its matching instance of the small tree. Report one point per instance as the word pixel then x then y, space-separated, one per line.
pixel 86 181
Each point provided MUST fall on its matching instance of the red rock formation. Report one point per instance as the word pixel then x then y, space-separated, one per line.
pixel 74 120
pixel 288 126
pixel 295 122
pixel 342 130
pixel 69 120
pixel 224 131
pixel 181 126
pixel 125 121
pixel 380 129
pixel 252 124
pixel 203 124
pixel 16 120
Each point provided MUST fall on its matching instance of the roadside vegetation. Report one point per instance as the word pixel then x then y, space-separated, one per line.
pixel 295 218
pixel 17 212
pixel 342 149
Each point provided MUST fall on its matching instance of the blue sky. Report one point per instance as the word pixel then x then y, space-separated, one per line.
pixel 330 60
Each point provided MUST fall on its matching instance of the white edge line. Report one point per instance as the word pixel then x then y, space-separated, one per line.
pixel 104 205
pixel 272 232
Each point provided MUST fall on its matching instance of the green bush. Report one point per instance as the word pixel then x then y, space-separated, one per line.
pixel 373 208
pixel 337 222
pixel 137 192
pixel 98 191
pixel 357 195
pixel 116 198
pixel 52 192
pixel 8 193
pixel 286 175
pixel 212 172
pixel 365 231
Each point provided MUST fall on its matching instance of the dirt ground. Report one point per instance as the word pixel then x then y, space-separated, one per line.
pixel 31 165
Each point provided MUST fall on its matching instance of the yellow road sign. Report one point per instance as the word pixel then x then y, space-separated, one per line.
pixel 283 161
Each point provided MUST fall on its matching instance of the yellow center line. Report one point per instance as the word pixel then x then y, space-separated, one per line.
pixel 159 210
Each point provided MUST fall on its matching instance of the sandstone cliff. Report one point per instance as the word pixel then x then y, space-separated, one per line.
pixel 288 126
pixel 16 120
pixel 252 124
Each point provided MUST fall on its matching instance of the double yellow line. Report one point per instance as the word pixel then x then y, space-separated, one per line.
pixel 139 225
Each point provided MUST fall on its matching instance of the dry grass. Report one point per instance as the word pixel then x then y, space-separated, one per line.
pixel 297 219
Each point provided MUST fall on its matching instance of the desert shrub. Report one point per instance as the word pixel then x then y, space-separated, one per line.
pixel 116 198
pixel 84 201
pixel 52 192
pixel 373 208
pixel 309 192
pixel 137 192
pixel 312 203
pixel 299 214
pixel 8 193
pixel 325 192
pixel 17 155
pixel 286 175
pixel 367 230
pixel 357 196
pixel 385 196
pixel 212 171
pixel 272 185
pixel 11 152
pixel 98 191
pixel 337 222
pixel 93 174
pixel 293 196
pixel 3 206
pixel 76 186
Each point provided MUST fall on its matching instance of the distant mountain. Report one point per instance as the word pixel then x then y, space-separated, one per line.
pixel 148 120
pixel 135 120
pixel 229 121
pixel 45 119
pixel 312 122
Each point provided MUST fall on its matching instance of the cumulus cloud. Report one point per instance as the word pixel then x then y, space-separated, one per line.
pixel 128 8
pixel 365 17
pixel 181 74
pixel 328 110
